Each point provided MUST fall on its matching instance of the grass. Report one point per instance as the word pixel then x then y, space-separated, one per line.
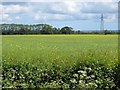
pixel 65 51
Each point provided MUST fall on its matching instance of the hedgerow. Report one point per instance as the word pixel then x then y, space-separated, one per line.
pixel 81 75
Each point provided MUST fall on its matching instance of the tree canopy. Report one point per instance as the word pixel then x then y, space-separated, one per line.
pixel 11 29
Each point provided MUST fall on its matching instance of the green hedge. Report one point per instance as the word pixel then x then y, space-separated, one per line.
pixel 80 75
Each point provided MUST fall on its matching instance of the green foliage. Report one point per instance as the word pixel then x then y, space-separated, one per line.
pixel 80 75
pixel 13 29
pixel 117 75
pixel 106 32
pixel 66 30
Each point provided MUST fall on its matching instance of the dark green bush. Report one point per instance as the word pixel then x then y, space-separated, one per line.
pixel 80 75
pixel 117 76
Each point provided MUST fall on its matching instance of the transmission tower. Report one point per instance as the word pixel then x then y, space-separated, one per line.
pixel 102 23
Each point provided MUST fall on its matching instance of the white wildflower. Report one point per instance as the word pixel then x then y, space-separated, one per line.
pixel 89 69
pixel 73 80
pixel 75 75
pixel 92 76
pixel 81 81
pixel 84 72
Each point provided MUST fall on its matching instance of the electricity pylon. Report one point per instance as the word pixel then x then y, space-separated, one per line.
pixel 102 23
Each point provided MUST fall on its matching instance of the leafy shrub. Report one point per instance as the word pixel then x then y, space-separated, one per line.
pixel 117 75
pixel 80 75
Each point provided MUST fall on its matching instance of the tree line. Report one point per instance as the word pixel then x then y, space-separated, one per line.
pixel 12 29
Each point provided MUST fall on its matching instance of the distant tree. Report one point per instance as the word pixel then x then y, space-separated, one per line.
pixel 10 29
pixel 47 29
pixel 95 32
pixel 55 30
pixel 106 32
pixel 66 30
pixel 78 32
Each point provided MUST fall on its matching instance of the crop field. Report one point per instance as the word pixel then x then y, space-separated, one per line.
pixel 59 49
pixel 60 61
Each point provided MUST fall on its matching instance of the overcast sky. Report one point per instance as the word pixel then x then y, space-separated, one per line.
pixel 79 15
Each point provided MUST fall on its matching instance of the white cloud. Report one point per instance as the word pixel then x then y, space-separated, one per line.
pixel 100 7
pixel 9 12
pixel 73 10
pixel 59 0
pixel 5 17
pixel 15 9
pixel 47 17
pixel 72 7
pixel 111 18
